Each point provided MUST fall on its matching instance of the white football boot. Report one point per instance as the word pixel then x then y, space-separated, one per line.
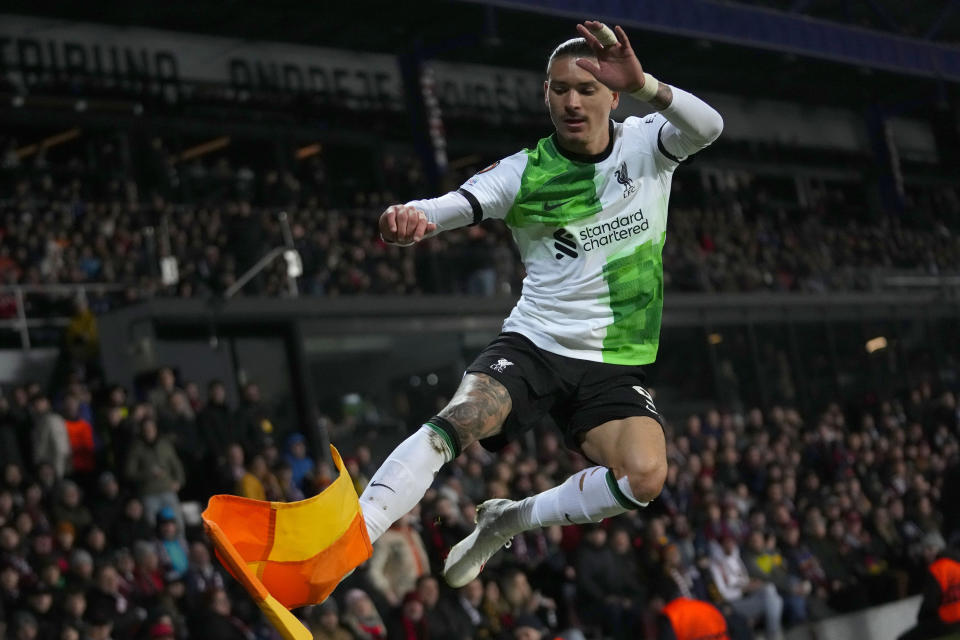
pixel 467 557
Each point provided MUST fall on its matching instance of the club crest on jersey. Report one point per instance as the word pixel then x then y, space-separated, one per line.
pixel 624 178
pixel 501 365
pixel 565 244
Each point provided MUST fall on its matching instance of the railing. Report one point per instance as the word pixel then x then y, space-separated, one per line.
pixel 946 284
pixel 912 290
pixel 22 323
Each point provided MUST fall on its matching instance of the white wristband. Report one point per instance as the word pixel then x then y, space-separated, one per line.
pixel 648 90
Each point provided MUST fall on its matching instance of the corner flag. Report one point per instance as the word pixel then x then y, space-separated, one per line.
pixel 290 554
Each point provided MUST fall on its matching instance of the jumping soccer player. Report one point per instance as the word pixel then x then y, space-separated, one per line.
pixel 588 209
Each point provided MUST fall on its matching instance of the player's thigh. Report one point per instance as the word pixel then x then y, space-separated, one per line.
pixel 478 408
pixel 633 447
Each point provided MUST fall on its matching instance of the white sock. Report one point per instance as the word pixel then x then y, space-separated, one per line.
pixel 587 496
pixel 400 482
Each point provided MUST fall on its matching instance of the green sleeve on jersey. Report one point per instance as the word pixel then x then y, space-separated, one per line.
pixel 553 189
pixel 635 289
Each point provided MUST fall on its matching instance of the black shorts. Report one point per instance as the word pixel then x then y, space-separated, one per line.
pixel 578 394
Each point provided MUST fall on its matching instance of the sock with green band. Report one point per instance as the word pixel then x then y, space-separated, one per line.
pixel 587 496
pixel 403 478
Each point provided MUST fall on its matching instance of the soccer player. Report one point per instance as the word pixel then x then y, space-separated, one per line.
pixel 588 209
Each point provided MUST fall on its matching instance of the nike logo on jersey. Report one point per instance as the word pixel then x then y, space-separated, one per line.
pixel 550 206
pixel 380 484
pixel 565 244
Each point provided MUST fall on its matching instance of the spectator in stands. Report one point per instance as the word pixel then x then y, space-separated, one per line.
pixel 148 575
pixel 679 578
pixel 155 469
pixel 253 419
pixel 107 505
pixel 25 626
pixel 172 548
pixel 132 525
pixel 939 613
pixel 752 598
pixel 846 593
pixel 232 470
pixel 362 617
pixel 99 626
pixel 160 394
pixel 600 602
pixel 215 423
pixel 470 601
pixel 178 423
pixel 289 491
pixel 49 438
pixel 399 559
pixel 409 623
pixel 218 623
pixel 80 434
pixel 74 607
pixel 95 539
pixel 325 623
pixel 258 483
pixel 81 339
pixel 106 599
pixel 765 563
pixel 444 528
pixel 300 464
pixel 80 575
pixel 70 508
pixel 202 576
pixel 443 620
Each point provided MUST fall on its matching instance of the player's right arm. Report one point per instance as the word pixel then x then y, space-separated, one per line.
pixel 488 194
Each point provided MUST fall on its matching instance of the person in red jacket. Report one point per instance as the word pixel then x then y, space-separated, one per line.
pixel 688 619
pixel 940 609
pixel 80 432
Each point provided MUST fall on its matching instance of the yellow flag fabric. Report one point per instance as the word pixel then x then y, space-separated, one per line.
pixel 290 554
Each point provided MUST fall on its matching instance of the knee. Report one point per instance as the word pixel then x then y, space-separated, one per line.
pixel 645 473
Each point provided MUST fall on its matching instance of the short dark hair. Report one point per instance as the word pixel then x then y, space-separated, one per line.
pixel 576 47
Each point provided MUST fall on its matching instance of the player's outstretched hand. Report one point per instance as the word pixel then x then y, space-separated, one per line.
pixel 403 224
pixel 617 66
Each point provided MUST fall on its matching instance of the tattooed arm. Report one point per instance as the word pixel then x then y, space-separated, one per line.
pixel 663 97
pixel 691 124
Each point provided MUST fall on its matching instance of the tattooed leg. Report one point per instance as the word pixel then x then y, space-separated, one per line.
pixel 477 410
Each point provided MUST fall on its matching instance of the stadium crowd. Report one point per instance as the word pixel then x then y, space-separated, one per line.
pixel 775 518
pixel 62 224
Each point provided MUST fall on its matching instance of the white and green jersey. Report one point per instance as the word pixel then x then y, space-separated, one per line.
pixel 590 230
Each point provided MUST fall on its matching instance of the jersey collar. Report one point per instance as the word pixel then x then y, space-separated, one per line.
pixel 583 157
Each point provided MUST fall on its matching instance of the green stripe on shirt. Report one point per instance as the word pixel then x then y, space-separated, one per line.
pixel 635 291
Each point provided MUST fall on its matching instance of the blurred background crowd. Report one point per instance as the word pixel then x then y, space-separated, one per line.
pixel 776 517
pixel 75 223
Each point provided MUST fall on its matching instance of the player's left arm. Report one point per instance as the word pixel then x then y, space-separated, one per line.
pixel 691 124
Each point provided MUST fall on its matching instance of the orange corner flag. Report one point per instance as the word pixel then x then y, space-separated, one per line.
pixel 290 554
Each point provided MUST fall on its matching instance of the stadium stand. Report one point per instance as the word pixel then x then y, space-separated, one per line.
pixel 730 240
pixel 825 514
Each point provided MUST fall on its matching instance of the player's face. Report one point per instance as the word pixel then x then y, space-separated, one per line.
pixel 579 106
